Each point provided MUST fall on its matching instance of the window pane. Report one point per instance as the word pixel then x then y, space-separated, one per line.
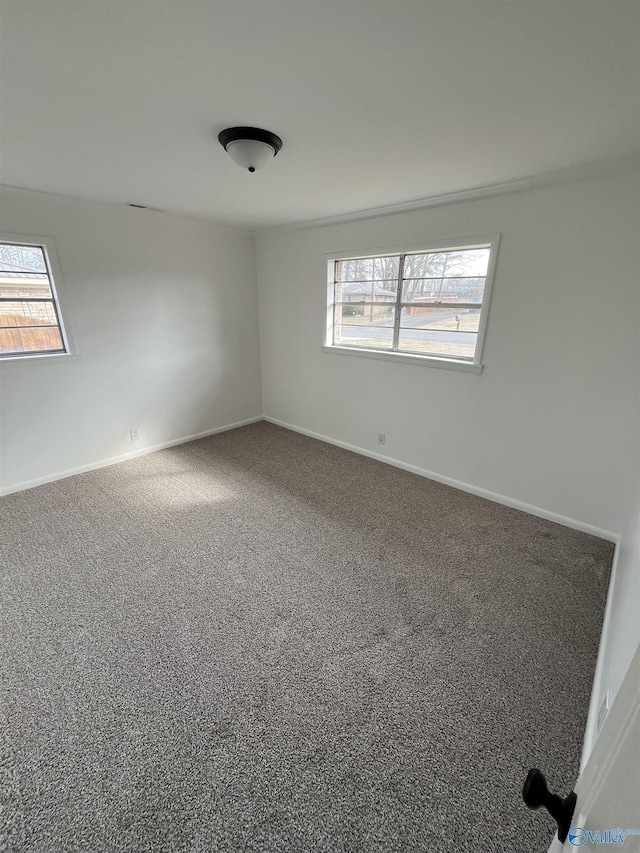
pixel 386 269
pixel 27 314
pixel 373 337
pixel 15 258
pixel 366 291
pixel 443 319
pixel 18 340
pixel 425 265
pixel 358 269
pixel 443 290
pixel 452 344
pixel 352 314
pixel 25 286
pixel 467 262
pixel 370 330
pixel 367 269
pixel 421 288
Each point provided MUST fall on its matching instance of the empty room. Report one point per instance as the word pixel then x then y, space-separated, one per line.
pixel 319 426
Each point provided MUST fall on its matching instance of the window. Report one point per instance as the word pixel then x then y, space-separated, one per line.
pixel 30 322
pixel 430 304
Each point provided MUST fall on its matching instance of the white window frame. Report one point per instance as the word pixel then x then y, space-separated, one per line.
pixel 57 289
pixel 490 241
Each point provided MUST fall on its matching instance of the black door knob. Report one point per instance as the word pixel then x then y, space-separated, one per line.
pixel 535 794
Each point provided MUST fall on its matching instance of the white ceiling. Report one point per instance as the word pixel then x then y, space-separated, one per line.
pixel 377 103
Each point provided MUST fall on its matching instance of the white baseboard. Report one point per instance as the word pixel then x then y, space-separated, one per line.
pixel 396 463
pixel 456 484
pixel 123 457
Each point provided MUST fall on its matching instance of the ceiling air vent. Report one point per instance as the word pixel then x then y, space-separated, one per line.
pixel 144 207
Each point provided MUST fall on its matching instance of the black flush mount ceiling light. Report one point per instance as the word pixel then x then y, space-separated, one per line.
pixel 250 147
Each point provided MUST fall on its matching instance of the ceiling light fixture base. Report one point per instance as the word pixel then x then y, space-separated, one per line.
pixel 250 147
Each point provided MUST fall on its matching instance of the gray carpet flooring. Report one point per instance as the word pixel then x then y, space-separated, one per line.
pixel 260 642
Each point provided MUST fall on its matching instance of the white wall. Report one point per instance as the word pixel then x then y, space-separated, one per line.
pixel 553 421
pixel 621 628
pixel 164 313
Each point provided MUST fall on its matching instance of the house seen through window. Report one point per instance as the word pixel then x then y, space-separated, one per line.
pixel 30 322
pixel 429 304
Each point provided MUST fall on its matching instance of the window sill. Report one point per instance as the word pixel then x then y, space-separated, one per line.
pixel 43 358
pixel 404 358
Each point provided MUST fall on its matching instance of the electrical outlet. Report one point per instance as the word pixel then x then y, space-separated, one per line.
pixel 135 434
pixel 381 438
